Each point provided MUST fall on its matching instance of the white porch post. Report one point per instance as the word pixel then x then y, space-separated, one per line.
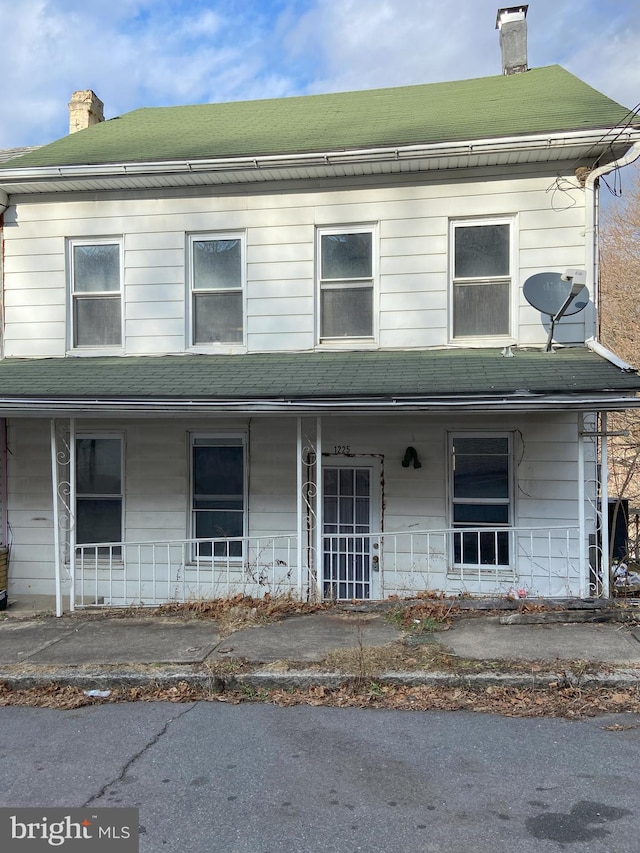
pixel 56 516
pixel 604 506
pixel 582 532
pixel 299 503
pixel 319 513
pixel 72 513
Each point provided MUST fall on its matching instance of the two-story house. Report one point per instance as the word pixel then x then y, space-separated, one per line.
pixel 284 345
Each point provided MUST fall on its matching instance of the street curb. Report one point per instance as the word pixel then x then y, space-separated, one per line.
pixel 306 679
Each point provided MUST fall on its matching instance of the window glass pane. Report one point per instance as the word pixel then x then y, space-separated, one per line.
pixel 481 309
pixel 481 445
pixel 362 481
pixel 478 515
pixel 98 520
pixel 481 251
pixel 96 268
pixel 218 473
pixel 217 264
pixel 217 318
pixel 347 312
pixel 98 466
pixel 481 477
pixel 346 481
pixel 346 256
pixel 216 524
pixel 97 322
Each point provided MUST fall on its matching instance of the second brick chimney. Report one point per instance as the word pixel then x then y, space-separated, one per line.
pixel 85 109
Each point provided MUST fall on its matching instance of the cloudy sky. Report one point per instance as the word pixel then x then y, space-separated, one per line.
pixel 135 53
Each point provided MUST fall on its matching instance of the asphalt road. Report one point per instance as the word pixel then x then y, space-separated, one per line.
pixel 211 777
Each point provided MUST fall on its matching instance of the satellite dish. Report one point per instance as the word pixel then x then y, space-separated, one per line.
pixel 548 291
pixel 557 294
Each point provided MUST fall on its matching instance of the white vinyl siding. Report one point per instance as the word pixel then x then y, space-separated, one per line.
pixel 411 304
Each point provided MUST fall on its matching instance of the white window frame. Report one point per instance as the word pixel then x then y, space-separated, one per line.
pixel 74 296
pixel 456 567
pixel 509 337
pixel 347 341
pixel 237 346
pixel 233 439
pixel 120 436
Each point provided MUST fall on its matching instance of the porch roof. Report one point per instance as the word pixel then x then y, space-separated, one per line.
pixel 431 379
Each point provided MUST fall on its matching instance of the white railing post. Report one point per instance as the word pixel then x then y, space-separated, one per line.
pixel 581 512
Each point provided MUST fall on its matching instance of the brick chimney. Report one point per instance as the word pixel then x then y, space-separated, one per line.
pixel 85 109
pixel 512 23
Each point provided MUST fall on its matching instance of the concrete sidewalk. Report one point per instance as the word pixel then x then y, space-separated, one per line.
pixel 92 650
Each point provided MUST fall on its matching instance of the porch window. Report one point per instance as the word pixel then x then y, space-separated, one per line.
pixel 481 279
pixel 346 275
pixel 217 494
pixel 481 497
pixel 96 275
pixel 99 494
pixel 217 289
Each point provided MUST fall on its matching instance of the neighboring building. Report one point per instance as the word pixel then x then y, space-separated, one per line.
pixel 283 345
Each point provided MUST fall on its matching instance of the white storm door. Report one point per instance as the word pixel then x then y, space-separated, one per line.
pixel 351 502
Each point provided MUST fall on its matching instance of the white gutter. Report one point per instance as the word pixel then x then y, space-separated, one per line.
pixel 616 136
pixel 592 224
pixel 169 409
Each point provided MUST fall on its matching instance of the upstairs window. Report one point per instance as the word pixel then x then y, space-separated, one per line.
pixel 481 263
pixel 217 289
pixel 96 291
pixel 346 273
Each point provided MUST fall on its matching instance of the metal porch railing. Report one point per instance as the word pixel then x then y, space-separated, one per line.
pixel 541 561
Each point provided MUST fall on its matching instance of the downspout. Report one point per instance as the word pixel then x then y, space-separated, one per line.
pixel 592 238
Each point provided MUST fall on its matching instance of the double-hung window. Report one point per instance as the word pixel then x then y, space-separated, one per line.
pixel 218 494
pixel 217 272
pixel 346 276
pixel 96 293
pixel 99 492
pixel 481 261
pixel 481 498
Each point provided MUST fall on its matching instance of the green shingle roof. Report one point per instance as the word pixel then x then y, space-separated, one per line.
pixel 308 376
pixel 538 101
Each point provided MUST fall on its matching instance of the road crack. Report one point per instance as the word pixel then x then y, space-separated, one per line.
pixel 154 740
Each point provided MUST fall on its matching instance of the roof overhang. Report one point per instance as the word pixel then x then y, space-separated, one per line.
pixel 475 153
pixel 345 382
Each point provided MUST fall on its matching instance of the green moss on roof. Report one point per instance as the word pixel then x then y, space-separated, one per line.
pixel 538 101
pixel 299 376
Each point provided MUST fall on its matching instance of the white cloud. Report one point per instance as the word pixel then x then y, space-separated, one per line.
pixel 146 52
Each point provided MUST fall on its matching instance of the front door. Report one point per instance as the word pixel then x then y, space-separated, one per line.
pixel 350 505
